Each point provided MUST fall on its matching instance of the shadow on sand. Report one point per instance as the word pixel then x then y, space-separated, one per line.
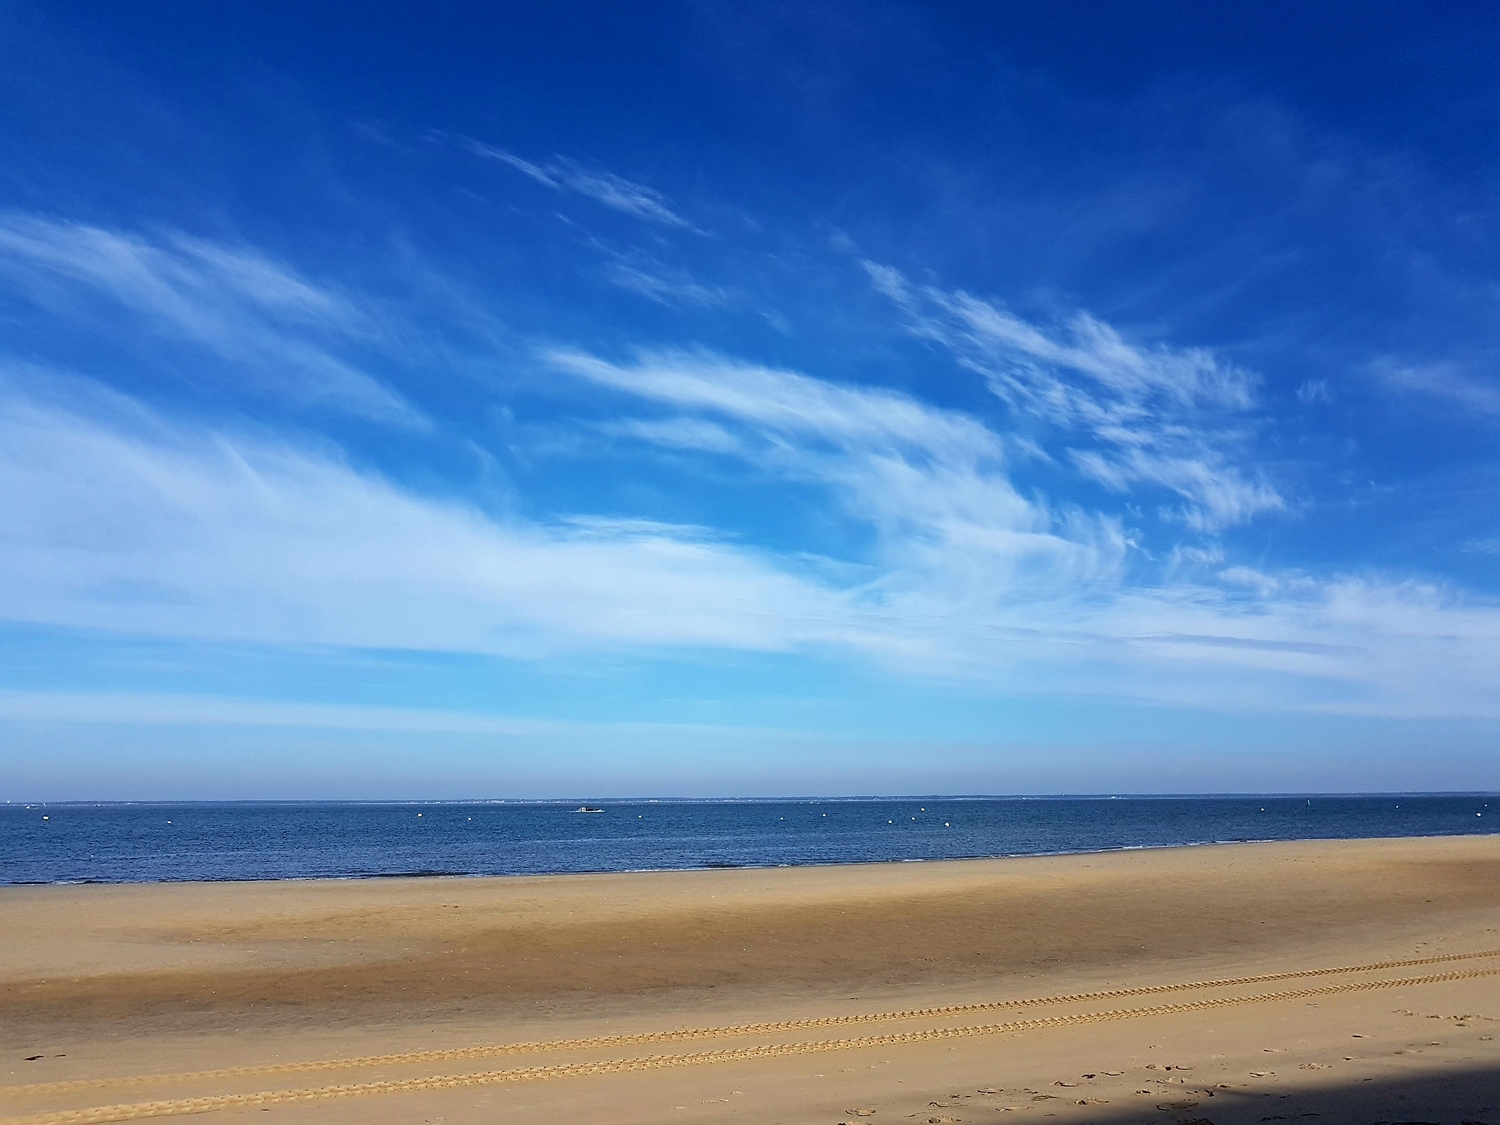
pixel 1452 1097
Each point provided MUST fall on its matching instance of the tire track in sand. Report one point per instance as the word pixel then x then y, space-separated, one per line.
pixel 176 1107
pixel 457 1054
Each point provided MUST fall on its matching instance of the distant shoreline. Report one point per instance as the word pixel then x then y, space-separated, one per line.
pixel 761 800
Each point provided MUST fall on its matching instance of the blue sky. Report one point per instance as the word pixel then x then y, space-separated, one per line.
pixel 712 398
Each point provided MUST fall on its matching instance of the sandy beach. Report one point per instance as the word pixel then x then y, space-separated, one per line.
pixel 1356 980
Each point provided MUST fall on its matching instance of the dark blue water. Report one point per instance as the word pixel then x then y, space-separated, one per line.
pixel 151 843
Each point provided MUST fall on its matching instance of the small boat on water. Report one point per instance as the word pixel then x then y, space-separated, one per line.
pixel 587 808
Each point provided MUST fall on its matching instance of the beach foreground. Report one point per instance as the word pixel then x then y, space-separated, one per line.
pixel 1356 980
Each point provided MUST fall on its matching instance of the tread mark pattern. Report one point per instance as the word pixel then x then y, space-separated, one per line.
pixel 176 1107
pixel 456 1054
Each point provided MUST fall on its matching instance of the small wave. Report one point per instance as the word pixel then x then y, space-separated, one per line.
pixel 419 873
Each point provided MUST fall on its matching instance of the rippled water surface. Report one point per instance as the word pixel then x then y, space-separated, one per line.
pixel 151 842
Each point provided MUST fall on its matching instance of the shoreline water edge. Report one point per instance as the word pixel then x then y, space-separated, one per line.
pixel 109 843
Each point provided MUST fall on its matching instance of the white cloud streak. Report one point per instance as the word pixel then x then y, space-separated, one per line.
pixel 277 327
pixel 1447 384
pixel 562 174
pixel 788 402
pixel 932 482
pixel 1312 391
pixel 1489 546
pixel 113 518
pixel 158 709
pixel 677 433
pixel 1173 418
pixel 972 579
pixel 671 288
pixel 167 532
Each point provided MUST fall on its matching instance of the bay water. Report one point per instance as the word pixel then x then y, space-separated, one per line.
pixel 129 843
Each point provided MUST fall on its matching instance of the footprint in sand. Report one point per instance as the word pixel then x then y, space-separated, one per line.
pixel 1065 1083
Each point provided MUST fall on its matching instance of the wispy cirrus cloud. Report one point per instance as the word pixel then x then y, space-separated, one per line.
pixel 677 433
pixel 1311 391
pixel 125 518
pixel 670 287
pixel 121 520
pixel 282 331
pixel 930 482
pixel 616 192
pixel 1447 384
pixel 1170 417
pixel 118 518
pixel 785 401
pixel 154 709
pixel 970 578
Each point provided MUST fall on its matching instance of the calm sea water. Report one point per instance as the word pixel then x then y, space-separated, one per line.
pixel 126 843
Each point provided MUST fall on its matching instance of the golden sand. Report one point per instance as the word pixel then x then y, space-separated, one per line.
pixel 1228 983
